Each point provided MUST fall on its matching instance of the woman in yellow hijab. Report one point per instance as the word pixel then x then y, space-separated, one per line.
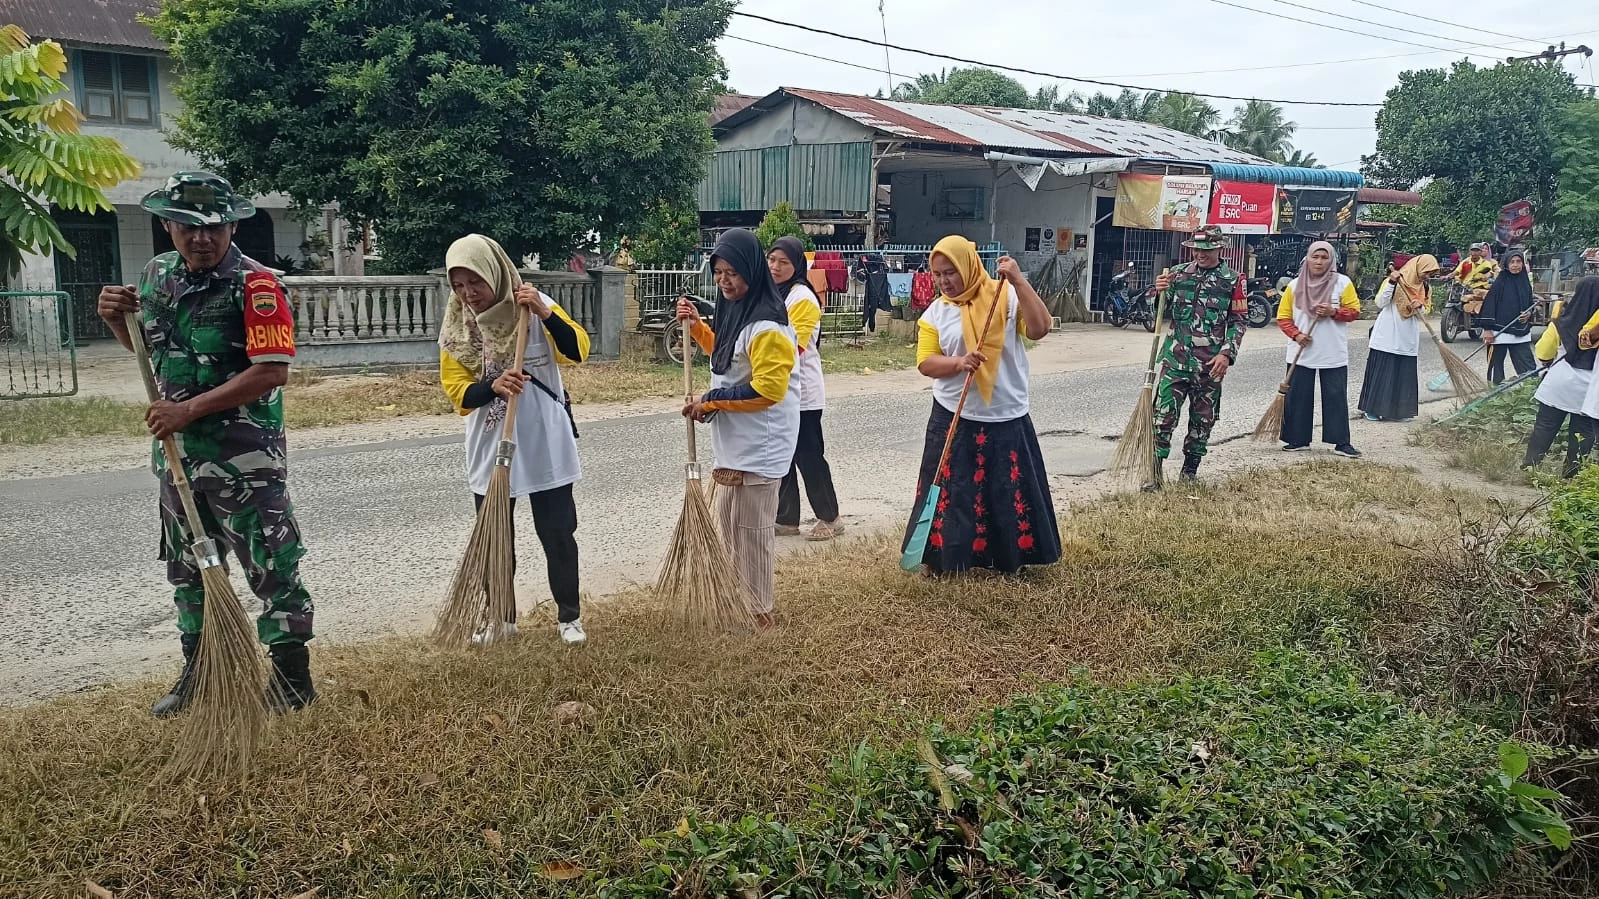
pixel 1389 391
pixel 995 510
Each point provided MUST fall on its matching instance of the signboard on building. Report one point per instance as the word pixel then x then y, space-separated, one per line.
pixel 1244 207
pixel 1305 210
pixel 1161 202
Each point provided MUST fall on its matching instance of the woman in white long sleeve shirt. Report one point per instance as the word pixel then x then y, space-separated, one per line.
pixel 1390 391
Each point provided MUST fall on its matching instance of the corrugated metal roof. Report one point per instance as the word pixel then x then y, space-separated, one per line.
pixel 1382 196
pixel 110 23
pixel 1289 175
pixel 1031 130
pixel 726 104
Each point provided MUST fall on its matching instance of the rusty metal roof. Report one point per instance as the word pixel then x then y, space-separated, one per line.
pixel 1030 130
pixel 1384 197
pixel 727 104
pixel 108 23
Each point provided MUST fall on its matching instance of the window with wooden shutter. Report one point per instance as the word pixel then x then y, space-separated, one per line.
pixel 99 86
pixel 138 106
pixel 117 88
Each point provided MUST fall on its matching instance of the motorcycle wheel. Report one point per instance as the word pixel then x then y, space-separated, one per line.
pixel 1116 318
pixel 669 348
pixel 1450 326
pixel 1259 312
pixel 1149 322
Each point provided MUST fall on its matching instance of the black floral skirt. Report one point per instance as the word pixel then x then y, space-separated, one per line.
pixel 995 510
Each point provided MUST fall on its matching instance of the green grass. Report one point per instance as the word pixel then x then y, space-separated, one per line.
pixel 433 773
pixel 1491 439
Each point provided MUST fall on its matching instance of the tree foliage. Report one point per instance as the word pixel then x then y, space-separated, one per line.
pixel 1260 128
pixel 668 233
pixel 1488 137
pixel 966 87
pixel 1577 151
pixel 780 221
pixel 1187 113
pixel 534 123
pixel 44 159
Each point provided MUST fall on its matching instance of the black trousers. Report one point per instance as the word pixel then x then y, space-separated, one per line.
pixel 1299 411
pixel 1520 355
pixel 810 462
pixel 555 521
pixel 1579 440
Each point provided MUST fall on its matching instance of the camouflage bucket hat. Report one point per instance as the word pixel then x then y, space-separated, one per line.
pixel 197 198
pixel 1208 237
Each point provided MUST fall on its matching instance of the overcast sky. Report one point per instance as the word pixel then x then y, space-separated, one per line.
pixel 1166 44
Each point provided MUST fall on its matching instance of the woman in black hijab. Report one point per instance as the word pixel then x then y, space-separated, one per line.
pixel 1569 381
pixel 1506 318
pixel 753 406
pixel 787 261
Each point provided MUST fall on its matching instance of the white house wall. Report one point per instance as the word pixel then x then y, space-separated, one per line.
pixel 794 122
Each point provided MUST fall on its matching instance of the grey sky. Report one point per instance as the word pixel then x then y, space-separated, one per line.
pixel 1149 43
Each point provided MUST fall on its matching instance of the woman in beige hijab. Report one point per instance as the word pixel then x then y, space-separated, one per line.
pixel 1390 391
pixel 477 341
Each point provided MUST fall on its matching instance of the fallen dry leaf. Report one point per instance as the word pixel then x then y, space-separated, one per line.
pixel 682 827
pixel 494 721
pixel 561 870
pixel 428 779
pixel 97 891
pixel 569 712
pixel 349 850
pixel 492 837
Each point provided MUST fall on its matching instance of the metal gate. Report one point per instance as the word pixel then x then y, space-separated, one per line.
pixel 37 352
pixel 98 263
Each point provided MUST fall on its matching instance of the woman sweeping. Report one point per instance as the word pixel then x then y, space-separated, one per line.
pixel 787 262
pixel 1390 391
pixel 1506 319
pixel 996 510
pixel 1567 384
pixel 753 407
pixel 476 343
pixel 1315 313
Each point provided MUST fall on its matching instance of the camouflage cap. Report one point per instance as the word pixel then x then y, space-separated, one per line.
pixel 197 198
pixel 1208 237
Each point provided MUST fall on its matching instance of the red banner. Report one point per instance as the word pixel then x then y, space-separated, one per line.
pixel 1243 207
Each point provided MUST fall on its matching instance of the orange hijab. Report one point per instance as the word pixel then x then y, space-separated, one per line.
pixel 980 295
pixel 1412 282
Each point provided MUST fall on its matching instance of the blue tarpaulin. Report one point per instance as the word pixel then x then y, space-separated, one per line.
pixel 1285 175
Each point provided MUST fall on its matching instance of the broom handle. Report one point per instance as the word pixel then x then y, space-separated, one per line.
pixel 1497 333
pixel 1295 364
pixel 688 390
pixel 180 478
pixel 509 429
pixel 1160 324
pixel 949 439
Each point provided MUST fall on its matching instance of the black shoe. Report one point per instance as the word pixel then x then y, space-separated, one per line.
pixel 177 698
pixel 1347 451
pixel 1190 468
pixel 1155 485
pixel 291 689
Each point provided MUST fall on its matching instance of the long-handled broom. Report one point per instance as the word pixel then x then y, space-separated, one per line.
pixel 1467 383
pixel 1134 459
pixel 1436 385
pixel 916 547
pixel 227 712
pixel 482 597
pixel 1271 424
pixel 698 579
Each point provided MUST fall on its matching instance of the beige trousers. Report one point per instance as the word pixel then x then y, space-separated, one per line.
pixel 746 515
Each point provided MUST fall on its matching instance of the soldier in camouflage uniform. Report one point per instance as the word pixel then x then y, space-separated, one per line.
pixel 1208 306
pixel 221 337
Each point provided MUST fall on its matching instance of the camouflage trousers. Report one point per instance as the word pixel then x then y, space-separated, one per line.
pixel 1203 395
pixel 258 527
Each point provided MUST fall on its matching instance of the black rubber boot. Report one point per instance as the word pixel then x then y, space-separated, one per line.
pixel 177 698
pixel 291 688
pixel 1191 468
pixel 1160 478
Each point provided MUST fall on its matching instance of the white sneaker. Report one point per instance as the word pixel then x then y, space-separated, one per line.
pixel 572 632
pixel 494 633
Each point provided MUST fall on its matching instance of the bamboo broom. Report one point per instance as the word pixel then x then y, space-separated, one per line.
pixel 227 713
pixel 482 597
pixel 1272 422
pixel 1135 451
pixel 1436 385
pixel 698 579
pixel 1467 383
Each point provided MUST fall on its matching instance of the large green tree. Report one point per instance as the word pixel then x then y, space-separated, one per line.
pixel 1577 152
pixel 1487 135
pixel 1260 128
pixel 535 123
pixel 967 87
pixel 44 161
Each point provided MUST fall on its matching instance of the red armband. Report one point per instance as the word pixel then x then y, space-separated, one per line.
pixel 1240 299
pixel 268 323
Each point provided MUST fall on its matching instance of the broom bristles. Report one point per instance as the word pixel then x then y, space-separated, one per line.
pixel 1467 383
pixel 698 579
pixel 1271 423
pixel 1134 459
pixel 227 717
pixel 483 591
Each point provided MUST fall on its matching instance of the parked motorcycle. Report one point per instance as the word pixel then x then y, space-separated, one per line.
pixel 1123 307
pixel 1263 297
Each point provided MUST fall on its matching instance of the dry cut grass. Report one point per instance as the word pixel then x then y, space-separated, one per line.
pixel 426 772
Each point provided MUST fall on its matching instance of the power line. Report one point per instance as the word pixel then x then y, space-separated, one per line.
pixel 1034 72
pixel 1413 15
pixel 1391 40
pixel 1464 44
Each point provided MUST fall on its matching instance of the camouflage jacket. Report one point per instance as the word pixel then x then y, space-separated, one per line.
pixel 203 330
pixel 1208 309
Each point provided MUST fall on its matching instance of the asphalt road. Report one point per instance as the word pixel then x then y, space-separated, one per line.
pixel 83 599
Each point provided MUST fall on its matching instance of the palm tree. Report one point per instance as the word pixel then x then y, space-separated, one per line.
pixel 1299 159
pixel 1258 127
pixel 922 88
pixel 1047 97
pixel 1186 113
pixel 1129 104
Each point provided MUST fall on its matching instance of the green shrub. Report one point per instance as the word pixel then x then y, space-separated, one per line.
pixel 1566 549
pixel 1293 783
pixel 780 221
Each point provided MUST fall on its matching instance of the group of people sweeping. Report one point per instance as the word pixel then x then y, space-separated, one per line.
pixel 220 334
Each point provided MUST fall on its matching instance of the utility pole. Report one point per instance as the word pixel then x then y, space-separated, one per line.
pixel 888 65
pixel 1553 53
